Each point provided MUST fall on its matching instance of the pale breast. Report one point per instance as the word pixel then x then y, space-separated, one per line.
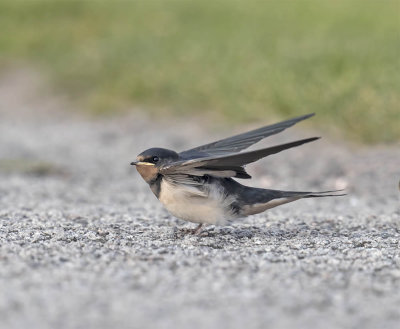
pixel 191 204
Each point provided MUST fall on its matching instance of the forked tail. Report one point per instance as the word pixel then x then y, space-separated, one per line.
pixel 289 194
pixel 267 199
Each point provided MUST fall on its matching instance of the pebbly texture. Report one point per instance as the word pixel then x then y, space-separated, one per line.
pixel 85 244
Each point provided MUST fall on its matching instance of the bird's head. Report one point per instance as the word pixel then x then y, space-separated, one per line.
pixel 149 162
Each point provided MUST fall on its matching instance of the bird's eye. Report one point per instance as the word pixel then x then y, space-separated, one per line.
pixel 155 159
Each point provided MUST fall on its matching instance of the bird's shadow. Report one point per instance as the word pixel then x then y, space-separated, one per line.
pixel 326 228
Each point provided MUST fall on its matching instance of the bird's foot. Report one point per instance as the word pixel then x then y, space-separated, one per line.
pixel 197 230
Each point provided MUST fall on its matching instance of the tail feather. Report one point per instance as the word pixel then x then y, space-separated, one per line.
pixel 264 199
pixel 289 194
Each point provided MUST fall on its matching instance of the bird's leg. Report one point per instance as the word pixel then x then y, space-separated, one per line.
pixel 197 230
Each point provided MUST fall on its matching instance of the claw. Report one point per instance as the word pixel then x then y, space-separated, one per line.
pixel 197 230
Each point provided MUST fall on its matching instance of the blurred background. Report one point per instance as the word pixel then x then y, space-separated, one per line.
pixel 235 61
pixel 85 86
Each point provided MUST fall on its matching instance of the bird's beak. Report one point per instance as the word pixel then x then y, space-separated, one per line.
pixel 141 163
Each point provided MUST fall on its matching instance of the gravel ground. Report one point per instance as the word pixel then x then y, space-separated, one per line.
pixel 85 244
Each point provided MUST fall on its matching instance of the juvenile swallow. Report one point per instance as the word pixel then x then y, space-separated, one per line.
pixel 197 185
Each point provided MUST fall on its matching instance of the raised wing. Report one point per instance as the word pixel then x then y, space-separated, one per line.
pixel 242 141
pixel 230 165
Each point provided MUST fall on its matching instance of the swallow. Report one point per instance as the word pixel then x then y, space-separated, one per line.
pixel 198 185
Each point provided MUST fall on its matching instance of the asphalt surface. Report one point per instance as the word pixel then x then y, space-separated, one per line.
pixel 85 244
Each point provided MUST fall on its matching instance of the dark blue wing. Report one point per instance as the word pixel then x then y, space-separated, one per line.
pixel 229 165
pixel 240 142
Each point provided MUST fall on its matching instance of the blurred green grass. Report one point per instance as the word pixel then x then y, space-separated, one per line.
pixel 245 60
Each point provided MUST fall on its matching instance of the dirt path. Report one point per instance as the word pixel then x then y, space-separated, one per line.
pixel 84 244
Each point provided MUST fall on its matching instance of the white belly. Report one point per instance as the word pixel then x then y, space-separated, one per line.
pixel 188 203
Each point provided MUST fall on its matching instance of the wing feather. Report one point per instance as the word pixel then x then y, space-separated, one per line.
pixel 242 141
pixel 214 165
